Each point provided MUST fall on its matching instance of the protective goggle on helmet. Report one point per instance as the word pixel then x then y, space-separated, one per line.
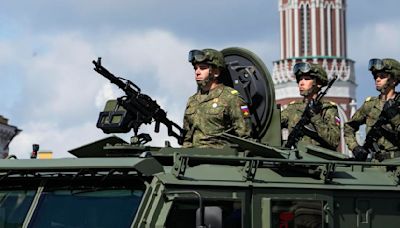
pixel 314 70
pixel 301 68
pixel 376 65
pixel 208 55
pixel 197 56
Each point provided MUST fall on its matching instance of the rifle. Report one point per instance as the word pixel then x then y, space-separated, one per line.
pixel 298 131
pixel 374 134
pixel 379 130
pixel 139 109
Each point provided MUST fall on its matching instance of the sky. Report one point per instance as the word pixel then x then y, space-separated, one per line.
pixel 48 87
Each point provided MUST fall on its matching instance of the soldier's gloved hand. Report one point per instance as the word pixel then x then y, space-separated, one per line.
pixel 360 153
pixel 313 108
pixel 390 109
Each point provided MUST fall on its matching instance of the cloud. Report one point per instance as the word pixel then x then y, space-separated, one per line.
pixel 104 94
pixel 157 52
pixel 58 82
pixel 375 40
pixel 62 95
pixel 6 53
pixel 51 138
pixel 372 40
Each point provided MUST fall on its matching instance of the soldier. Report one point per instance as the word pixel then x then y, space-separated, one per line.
pixel 379 113
pixel 215 108
pixel 322 121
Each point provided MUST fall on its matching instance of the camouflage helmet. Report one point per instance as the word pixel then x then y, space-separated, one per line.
pixel 208 55
pixel 390 66
pixel 314 70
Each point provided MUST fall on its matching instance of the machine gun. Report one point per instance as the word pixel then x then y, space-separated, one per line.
pixel 132 110
pixel 298 130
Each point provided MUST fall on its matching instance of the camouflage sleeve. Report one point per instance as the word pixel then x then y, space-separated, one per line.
pixel 284 118
pixel 395 122
pixel 188 135
pixel 351 127
pixel 327 124
pixel 240 116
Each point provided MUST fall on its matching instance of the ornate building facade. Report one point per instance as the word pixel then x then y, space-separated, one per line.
pixel 315 31
pixel 7 133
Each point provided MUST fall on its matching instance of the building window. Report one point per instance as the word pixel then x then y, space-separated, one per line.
pixel 305 30
pixel 302 34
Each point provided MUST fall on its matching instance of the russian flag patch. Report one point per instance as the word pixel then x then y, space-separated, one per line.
pixel 245 110
pixel 337 120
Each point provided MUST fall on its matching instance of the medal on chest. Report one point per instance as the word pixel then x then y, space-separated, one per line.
pixel 215 103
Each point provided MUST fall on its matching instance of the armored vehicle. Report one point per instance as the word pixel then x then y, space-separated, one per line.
pixel 250 183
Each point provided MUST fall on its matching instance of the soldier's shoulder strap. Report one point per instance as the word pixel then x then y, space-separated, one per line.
pixel 295 102
pixel 370 99
pixel 230 90
pixel 329 104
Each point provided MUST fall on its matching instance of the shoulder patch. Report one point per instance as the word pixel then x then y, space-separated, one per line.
pixel 234 92
pixel 332 103
pixel 368 99
pixel 245 110
pixel 292 102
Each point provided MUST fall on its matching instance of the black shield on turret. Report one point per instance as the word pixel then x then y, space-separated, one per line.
pixel 247 73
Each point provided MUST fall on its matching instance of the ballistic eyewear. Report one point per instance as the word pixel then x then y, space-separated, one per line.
pixel 197 55
pixel 301 67
pixel 376 65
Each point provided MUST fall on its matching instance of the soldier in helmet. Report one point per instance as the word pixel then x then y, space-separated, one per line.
pixel 322 127
pixel 385 107
pixel 215 108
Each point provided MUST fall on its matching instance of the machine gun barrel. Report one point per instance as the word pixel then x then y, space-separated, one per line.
pixel 141 107
pixel 297 131
pixel 125 86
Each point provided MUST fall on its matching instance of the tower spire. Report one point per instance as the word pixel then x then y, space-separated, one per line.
pixel 314 31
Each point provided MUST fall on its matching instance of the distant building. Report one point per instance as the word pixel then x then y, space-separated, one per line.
pixel 7 133
pixel 315 31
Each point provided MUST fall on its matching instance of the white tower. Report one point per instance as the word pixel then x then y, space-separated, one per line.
pixel 314 31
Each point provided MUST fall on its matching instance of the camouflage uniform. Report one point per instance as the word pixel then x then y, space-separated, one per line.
pixel 377 109
pixel 326 123
pixel 368 114
pixel 208 115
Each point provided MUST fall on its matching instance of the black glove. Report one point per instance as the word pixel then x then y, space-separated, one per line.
pixel 360 153
pixel 390 109
pixel 313 108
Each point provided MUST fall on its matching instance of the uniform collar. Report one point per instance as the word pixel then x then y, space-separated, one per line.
pixel 214 93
